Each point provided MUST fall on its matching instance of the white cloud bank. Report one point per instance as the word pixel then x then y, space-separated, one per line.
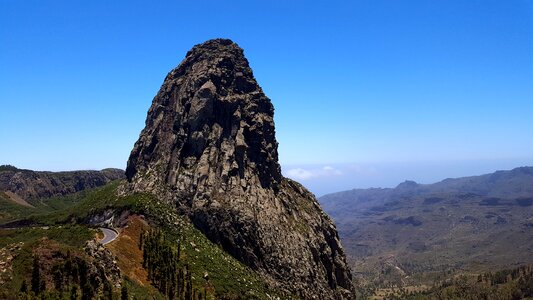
pixel 299 174
pixel 305 174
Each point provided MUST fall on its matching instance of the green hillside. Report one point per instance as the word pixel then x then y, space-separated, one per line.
pixel 207 272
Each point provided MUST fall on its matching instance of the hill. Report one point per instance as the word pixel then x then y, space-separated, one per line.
pixel 425 233
pixel 25 192
pixel 58 256
pixel 28 187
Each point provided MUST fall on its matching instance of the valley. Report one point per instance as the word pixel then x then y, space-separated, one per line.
pixel 422 235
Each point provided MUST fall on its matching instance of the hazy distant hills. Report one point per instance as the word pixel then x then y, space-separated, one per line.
pixel 419 233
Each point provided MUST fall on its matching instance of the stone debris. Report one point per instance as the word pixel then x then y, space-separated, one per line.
pixel 7 255
pixel 105 260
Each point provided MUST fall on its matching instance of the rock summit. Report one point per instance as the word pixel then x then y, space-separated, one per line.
pixel 209 148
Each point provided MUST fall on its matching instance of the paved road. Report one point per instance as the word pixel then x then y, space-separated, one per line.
pixel 109 235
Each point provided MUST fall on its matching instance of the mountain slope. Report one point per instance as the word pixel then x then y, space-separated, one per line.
pixel 209 148
pixel 25 193
pixel 418 233
pixel 69 261
pixel 29 187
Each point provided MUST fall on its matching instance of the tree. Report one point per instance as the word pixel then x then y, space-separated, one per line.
pixel 124 293
pixel 188 284
pixel 161 260
pixel 24 287
pixel 87 291
pixel 58 277
pixel 42 286
pixel 108 290
pixel 141 240
pixel 36 276
pixel 74 293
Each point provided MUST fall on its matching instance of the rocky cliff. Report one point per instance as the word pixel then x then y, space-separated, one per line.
pixel 31 186
pixel 209 147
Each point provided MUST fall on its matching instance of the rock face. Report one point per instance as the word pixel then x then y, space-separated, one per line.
pixel 209 147
pixel 32 186
pixel 103 263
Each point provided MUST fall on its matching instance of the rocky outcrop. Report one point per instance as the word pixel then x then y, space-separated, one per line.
pixel 209 147
pixel 103 263
pixel 33 186
pixel 108 218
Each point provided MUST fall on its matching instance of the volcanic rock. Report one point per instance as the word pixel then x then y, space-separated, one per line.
pixel 209 148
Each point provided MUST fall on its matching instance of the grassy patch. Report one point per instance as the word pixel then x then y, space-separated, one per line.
pixel 226 274
pixel 141 292
pixel 10 211
pixel 71 235
pixel 58 209
pixel 77 206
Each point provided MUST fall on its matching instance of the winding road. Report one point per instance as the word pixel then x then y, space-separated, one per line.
pixel 109 235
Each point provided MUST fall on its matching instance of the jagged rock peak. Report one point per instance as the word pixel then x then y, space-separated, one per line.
pixel 209 148
pixel 212 96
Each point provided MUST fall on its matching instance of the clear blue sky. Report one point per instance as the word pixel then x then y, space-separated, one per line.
pixel 355 83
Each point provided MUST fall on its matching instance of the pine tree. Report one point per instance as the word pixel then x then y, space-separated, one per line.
pixel 141 240
pixel 24 287
pixel 36 276
pixel 74 293
pixel 108 290
pixel 58 278
pixel 188 287
pixel 124 293
pixel 87 291
pixel 181 285
pixel 42 286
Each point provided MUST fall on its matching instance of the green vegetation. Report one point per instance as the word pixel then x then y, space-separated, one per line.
pixel 184 258
pixel 131 288
pixel 211 271
pixel 79 206
pixel 70 235
pixel 39 260
pixel 8 168
pixel 506 284
pixel 229 277
pixel 56 210
pixel 181 262
pixel 10 211
pixel 65 275
pixel 165 270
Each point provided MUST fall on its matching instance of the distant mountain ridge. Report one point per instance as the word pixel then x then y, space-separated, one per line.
pixel 31 186
pixel 467 224
pixel 515 183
